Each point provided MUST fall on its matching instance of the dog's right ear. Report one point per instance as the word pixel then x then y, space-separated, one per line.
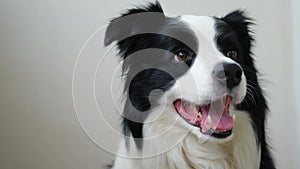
pixel 137 20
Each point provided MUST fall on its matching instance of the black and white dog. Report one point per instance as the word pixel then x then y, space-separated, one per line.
pixel 192 96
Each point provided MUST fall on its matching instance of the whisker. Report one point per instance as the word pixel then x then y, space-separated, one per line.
pixel 250 92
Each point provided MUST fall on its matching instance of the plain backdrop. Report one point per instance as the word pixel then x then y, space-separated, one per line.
pixel 40 41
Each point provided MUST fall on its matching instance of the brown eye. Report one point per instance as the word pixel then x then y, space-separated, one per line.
pixel 232 54
pixel 182 56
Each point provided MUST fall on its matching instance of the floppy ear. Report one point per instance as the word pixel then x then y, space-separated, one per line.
pixel 240 23
pixel 136 20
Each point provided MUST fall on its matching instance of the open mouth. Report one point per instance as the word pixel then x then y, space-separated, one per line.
pixel 213 119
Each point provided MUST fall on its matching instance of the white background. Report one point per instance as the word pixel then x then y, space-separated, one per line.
pixel 39 44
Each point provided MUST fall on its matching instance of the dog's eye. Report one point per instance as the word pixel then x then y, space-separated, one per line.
pixel 182 56
pixel 232 54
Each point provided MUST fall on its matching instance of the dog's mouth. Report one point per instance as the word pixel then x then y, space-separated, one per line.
pixel 213 118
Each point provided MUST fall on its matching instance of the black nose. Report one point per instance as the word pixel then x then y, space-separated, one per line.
pixel 229 74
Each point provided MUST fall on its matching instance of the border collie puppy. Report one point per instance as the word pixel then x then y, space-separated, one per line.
pixel 192 96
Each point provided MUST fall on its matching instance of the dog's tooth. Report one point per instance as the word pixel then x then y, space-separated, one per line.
pixel 199 114
pixel 233 116
pixel 194 107
pixel 209 121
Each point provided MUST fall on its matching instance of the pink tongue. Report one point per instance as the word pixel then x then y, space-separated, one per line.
pixel 219 115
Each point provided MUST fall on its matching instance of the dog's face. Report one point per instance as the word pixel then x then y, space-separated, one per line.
pixel 215 79
pixel 198 66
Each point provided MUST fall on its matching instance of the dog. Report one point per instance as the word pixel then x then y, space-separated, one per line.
pixel 192 95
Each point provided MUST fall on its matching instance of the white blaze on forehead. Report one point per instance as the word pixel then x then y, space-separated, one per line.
pixel 204 28
pixel 202 25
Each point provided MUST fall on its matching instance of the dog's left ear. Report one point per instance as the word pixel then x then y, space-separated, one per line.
pixel 240 23
pixel 138 20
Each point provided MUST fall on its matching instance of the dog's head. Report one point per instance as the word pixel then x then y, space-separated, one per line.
pixel 197 65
